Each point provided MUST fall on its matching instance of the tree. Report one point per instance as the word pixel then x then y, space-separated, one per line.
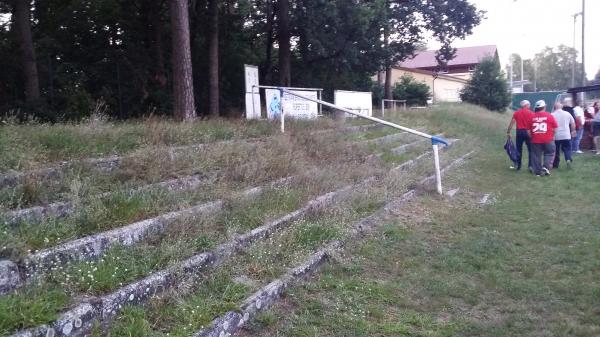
pixel 516 67
pixel 554 68
pixel 213 58
pixel 22 22
pixel 487 87
pixel 285 54
pixel 117 51
pixel 409 21
pixel 551 69
pixel 183 86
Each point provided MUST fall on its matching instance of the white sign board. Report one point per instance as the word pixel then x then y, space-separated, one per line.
pixel 296 107
pixel 251 75
pixel 361 102
pixel 252 94
pixel 273 98
pixel 252 113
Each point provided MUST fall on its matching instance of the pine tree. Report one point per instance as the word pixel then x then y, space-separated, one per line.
pixel 23 28
pixel 487 87
pixel 213 58
pixel 183 86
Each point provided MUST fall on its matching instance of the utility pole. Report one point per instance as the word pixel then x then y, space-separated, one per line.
pixel 583 80
pixel 510 76
pixel 522 76
pixel 574 61
pixel 534 75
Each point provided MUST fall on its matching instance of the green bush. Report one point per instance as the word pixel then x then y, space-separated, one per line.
pixel 415 93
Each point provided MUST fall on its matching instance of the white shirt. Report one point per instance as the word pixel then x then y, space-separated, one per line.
pixel 564 120
pixel 578 112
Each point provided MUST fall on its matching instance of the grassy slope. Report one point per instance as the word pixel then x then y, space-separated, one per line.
pixel 525 265
pixel 40 303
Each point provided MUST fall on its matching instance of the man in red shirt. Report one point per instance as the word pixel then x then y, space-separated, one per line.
pixel 541 133
pixel 522 118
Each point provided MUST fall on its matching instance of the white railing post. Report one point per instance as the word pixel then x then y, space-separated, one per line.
pixel 438 173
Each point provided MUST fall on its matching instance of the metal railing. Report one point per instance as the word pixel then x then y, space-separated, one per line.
pixel 435 141
pixel 403 101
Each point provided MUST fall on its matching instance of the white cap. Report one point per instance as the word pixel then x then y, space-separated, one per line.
pixel 567 99
pixel 524 103
pixel 540 104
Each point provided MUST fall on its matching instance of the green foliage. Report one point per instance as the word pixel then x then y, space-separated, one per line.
pixel 118 51
pixel 248 215
pixel 131 323
pixel 311 235
pixel 415 93
pixel 216 295
pixel 554 68
pixel 119 266
pixel 378 92
pixel 30 307
pixel 551 69
pixel 487 87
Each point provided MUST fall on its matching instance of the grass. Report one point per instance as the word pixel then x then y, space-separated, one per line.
pixel 182 313
pixel 122 265
pixel 246 215
pixel 28 146
pixel 523 265
pixel 96 215
pixel 175 316
pixel 33 145
pixel 29 307
pixel 238 161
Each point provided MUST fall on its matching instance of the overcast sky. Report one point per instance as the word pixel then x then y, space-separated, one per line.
pixel 527 26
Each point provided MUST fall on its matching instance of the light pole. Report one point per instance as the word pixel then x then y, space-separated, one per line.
pixel 574 48
pixel 510 62
pixel 583 79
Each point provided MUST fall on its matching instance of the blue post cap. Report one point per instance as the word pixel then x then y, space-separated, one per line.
pixel 438 140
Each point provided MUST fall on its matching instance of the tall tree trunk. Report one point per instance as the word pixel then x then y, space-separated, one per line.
pixel 213 58
pixel 388 66
pixel 183 85
pixel 160 77
pixel 23 28
pixel 285 53
pixel 388 83
pixel 269 44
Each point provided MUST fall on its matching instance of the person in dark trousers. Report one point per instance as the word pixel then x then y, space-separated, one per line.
pixel 569 107
pixel 563 134
pixel 541 132
pixel 522 119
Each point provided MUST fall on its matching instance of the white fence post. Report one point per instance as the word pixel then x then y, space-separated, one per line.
pixel 438 173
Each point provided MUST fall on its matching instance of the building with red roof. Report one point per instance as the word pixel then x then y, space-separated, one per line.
pixel 445 84
pixel 462 65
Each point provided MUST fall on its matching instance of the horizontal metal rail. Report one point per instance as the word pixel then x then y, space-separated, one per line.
pixel 435 140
